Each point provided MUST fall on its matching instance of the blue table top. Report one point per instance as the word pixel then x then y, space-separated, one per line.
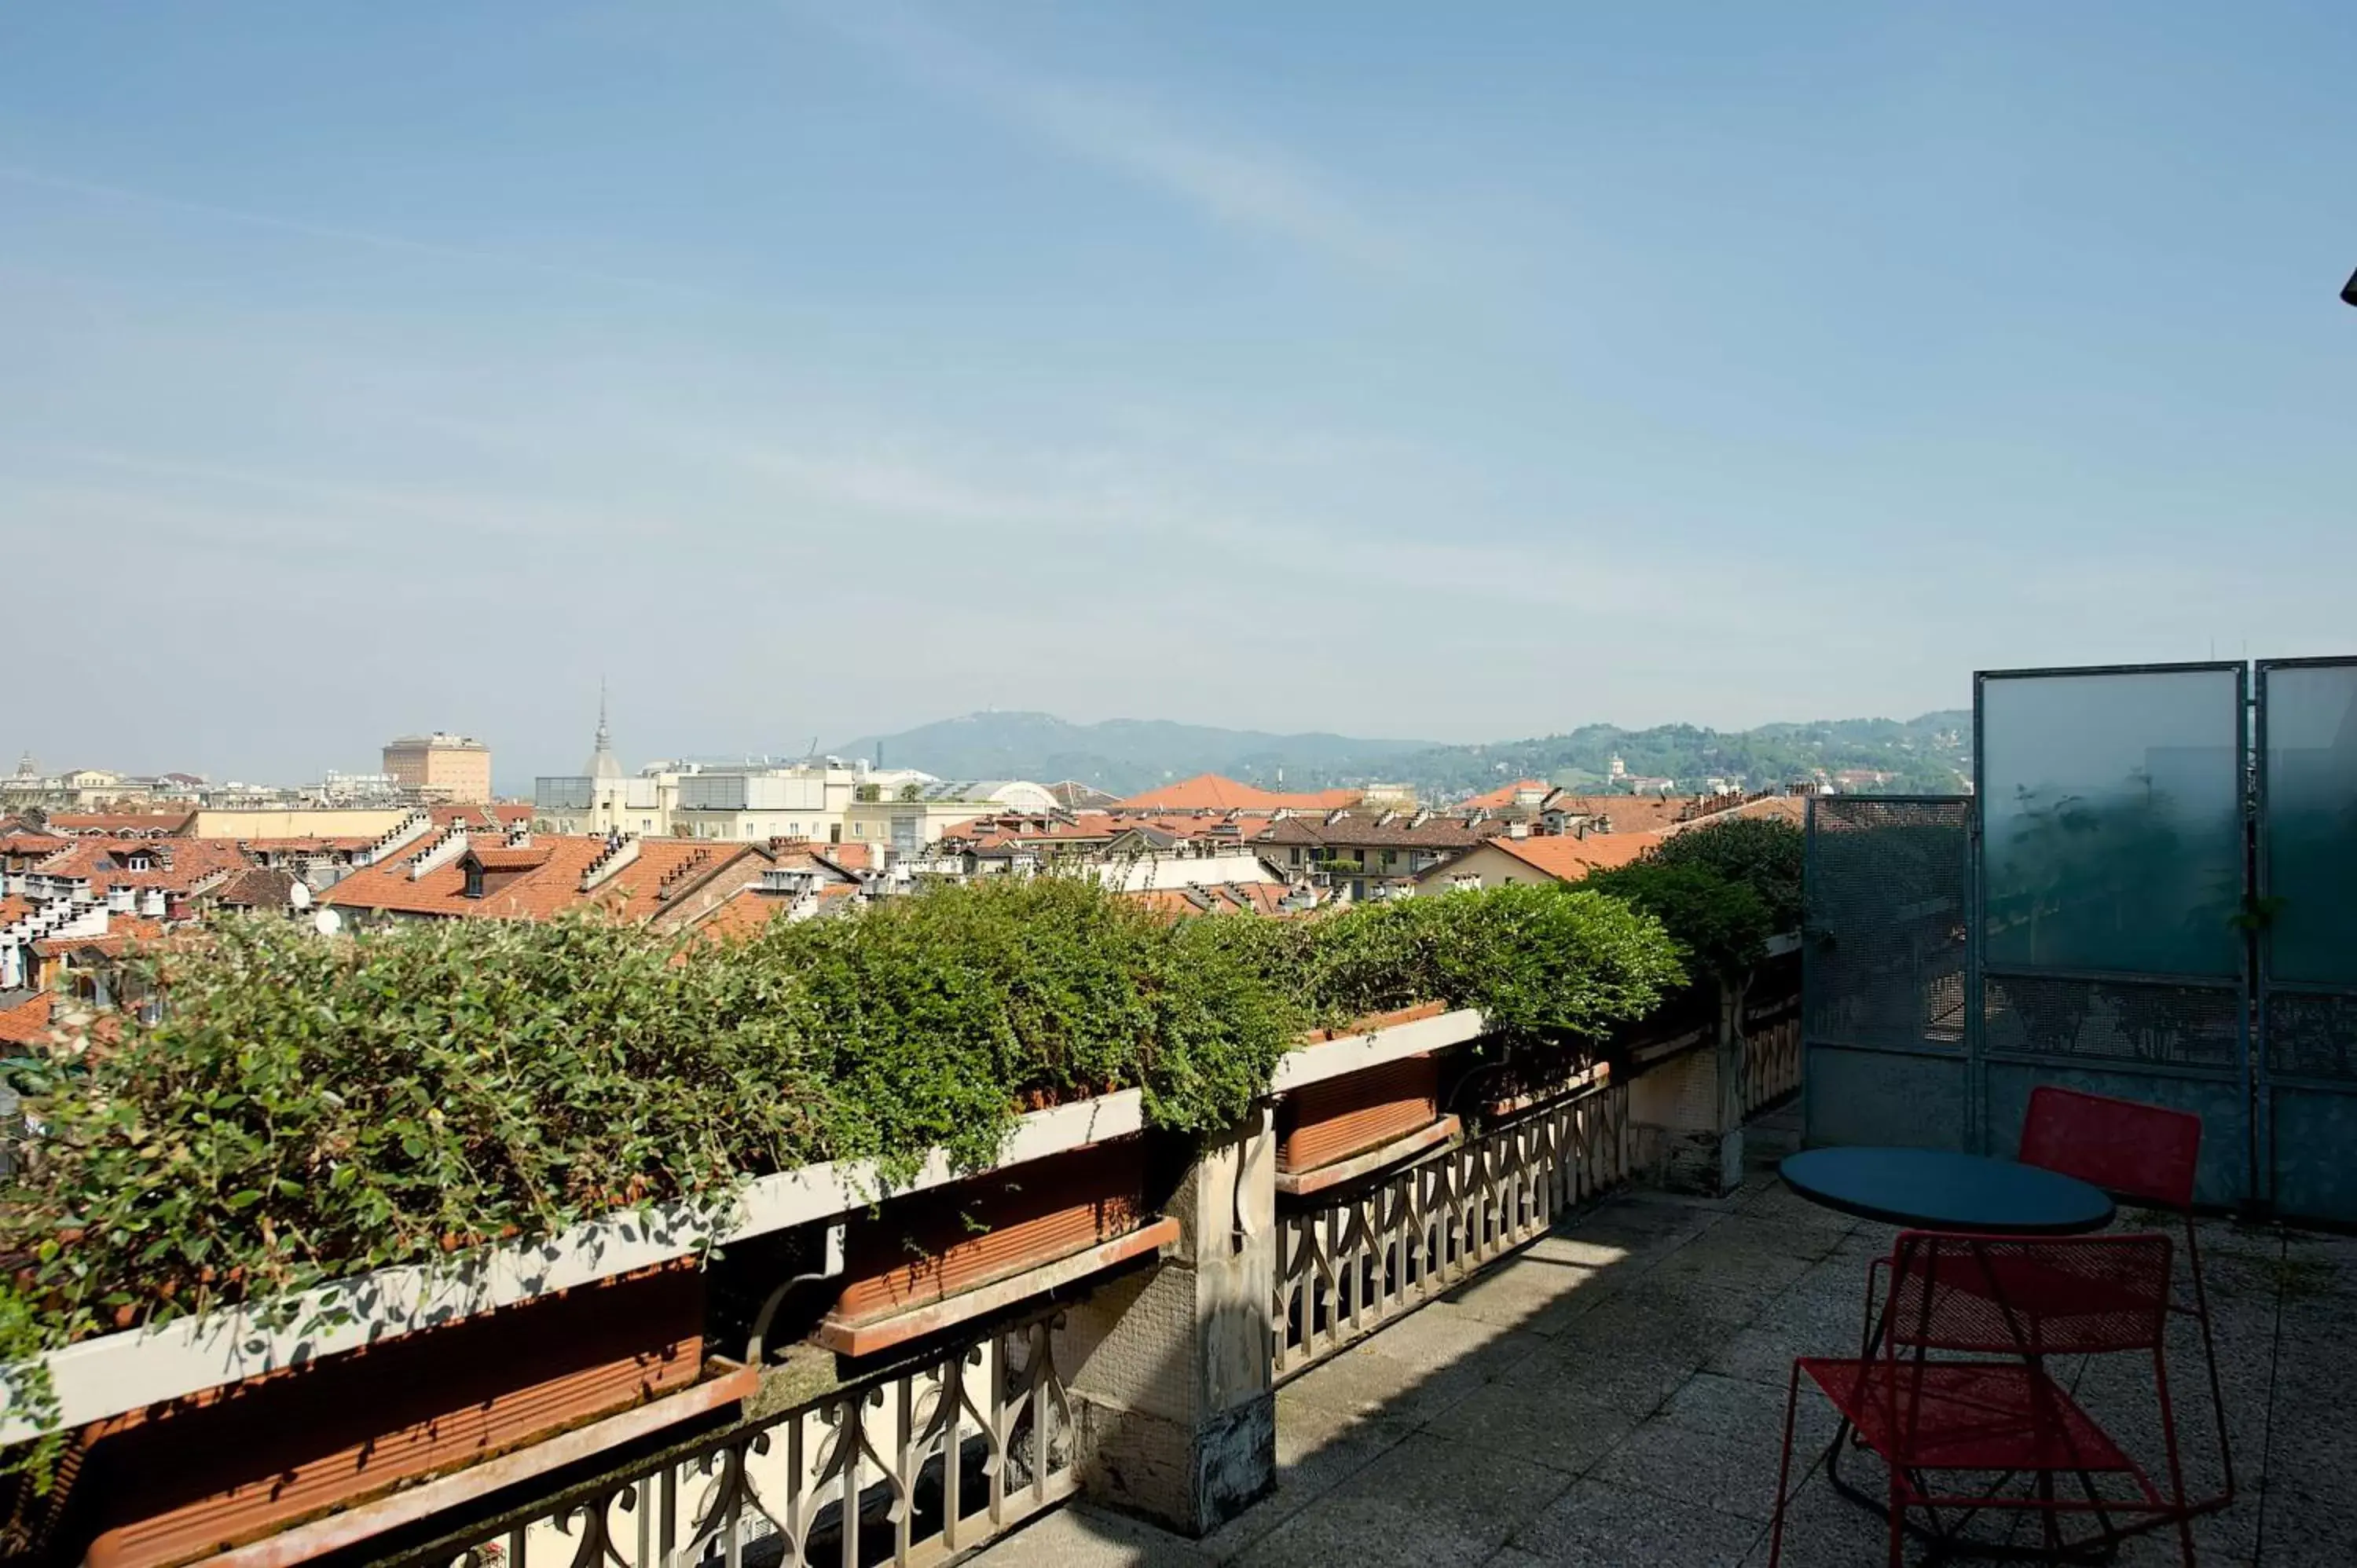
pixel 1933 1189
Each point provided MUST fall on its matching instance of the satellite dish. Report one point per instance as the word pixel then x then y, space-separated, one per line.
pixel 326 923
pixel 299 897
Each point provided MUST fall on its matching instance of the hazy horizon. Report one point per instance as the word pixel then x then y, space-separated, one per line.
pixel 815 370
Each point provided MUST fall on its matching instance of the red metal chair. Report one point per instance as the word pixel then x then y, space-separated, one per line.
pixel 2010 1300
pixel 2146 1154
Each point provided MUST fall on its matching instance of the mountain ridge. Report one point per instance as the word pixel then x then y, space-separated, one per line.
pixel 1927 754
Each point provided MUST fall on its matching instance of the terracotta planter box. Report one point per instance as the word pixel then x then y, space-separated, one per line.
pixel 184 1480
pixel 923 1249
pixel 1325 1122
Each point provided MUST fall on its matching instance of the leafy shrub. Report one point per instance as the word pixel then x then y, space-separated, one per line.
pixel 1722 926
pixel 1764 854
pixel 305 1109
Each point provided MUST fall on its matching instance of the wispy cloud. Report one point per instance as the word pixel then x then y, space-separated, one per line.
pixel 1249 187
pixel 338 233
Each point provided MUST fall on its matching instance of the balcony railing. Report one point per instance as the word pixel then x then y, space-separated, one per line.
pixel 909 1467
pixel 1347 1269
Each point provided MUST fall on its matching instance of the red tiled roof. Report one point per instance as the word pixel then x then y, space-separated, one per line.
pixel 32 843
pixel 1503 795
pixel 1629 814
pixel 256 888
pixel 25 1021
pixel 1567 857
pixel 846 857
pixel 998 831
pixel 1216 898
pixel 746 913
pixel 509 857
pixel 1209 791
pixel 121 931
pixel 14 909
pixel 179 862
pixel 499 814
pixel 1368 828
pixel 121 822
pixel 665 867
pixel 310 841
pixel 1793 809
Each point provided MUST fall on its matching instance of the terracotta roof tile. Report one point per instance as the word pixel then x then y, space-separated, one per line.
pixel 33 843
pixel 509 857
pixel 1629 814
pixel 26 1021
pixel 121 822
pixel 846 856
pixel 1368 828
pixel 664 868
pixel 1567 857
pixel 14 909
pixel 256 888
pixel 1503 795
pixel 1211 791
pixel 175 865
pixel 121 931
pixel 499 815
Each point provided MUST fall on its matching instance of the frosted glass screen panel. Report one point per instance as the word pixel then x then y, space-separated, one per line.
pixel 2112 821
pixel 2311 824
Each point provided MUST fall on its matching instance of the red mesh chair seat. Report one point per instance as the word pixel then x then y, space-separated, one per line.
pixel 1965 1415
pixel 1993 1309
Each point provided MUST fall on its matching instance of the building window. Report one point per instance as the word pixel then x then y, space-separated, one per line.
pixel 1391 857
pixel 474 882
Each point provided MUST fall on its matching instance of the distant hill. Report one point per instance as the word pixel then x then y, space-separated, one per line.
pixel 1927 755
pixel 1124 755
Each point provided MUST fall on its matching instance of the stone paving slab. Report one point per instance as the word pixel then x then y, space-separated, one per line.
pixel 1614 1395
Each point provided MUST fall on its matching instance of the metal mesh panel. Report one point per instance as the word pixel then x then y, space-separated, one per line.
pixel 2182 1025
pixel 2312 1036
pixel 1886 921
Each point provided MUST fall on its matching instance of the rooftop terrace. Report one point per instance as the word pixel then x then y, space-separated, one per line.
pixel 1614 1394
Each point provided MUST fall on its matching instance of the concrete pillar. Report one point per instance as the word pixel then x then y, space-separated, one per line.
pixel 1168 1367
pixel 1688 1113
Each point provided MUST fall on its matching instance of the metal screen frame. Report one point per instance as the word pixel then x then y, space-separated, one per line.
pixel 2276 1090
pixel 2001 1078
pixel 1896 1088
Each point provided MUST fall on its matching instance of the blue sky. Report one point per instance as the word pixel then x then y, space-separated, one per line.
pixel 1392 369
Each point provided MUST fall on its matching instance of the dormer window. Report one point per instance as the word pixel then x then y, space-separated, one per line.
pixel 474 880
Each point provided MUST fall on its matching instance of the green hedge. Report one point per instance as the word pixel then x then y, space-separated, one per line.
pixel 309 1109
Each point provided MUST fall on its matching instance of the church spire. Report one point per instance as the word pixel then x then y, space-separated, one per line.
pixel 602 763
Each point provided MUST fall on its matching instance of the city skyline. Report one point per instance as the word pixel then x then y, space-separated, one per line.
pixel 818 371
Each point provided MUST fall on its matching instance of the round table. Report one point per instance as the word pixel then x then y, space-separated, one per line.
pixel 1933 1189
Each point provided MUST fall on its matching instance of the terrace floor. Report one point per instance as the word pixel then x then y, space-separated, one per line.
pixel 1614 1394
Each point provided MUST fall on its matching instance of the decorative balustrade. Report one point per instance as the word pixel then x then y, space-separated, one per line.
pixel 1349 1267
pixel 909 1467
pixel 1771 1064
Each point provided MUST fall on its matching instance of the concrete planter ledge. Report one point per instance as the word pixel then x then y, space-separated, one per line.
pixel 1356 1053
pixel 118 1373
